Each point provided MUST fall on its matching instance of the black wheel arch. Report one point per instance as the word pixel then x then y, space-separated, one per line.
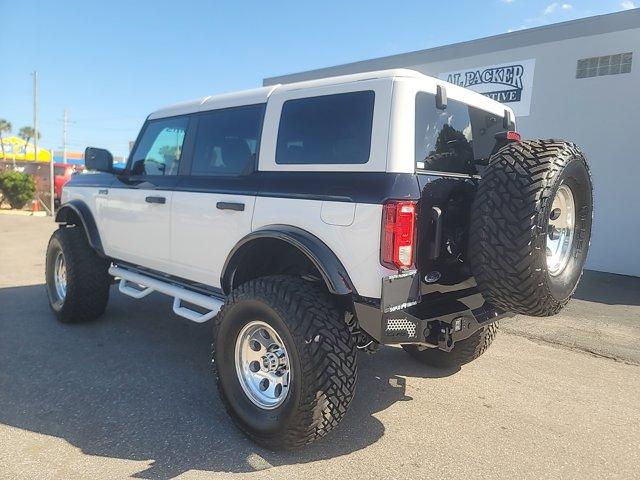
pixel 77 212
pixel 310 247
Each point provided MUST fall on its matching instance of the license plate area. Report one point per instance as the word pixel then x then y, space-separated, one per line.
pixel 400 291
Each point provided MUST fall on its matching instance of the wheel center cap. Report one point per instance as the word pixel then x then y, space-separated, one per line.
pixel 270 362
pixel 273 361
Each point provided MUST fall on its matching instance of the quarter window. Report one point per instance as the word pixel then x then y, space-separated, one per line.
pixel 159 150
pixel 328 129
pixel 227 141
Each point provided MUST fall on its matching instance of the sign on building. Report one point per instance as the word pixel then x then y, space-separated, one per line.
pixel 509 83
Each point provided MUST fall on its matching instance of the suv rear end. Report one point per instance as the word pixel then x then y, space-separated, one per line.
pixel 444 136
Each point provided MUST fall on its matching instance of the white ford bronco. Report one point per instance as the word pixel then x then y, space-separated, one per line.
pixel 313 219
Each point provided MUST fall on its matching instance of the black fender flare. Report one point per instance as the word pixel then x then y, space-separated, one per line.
pixel 83 212
pixel 330 267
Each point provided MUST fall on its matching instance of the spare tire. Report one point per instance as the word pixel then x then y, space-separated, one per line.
pixel 531 226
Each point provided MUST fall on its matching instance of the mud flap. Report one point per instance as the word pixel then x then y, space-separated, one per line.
pixel 389 322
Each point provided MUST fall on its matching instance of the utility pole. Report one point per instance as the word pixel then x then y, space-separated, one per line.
pixel 35 114
pixel 64 137
pixel 35 139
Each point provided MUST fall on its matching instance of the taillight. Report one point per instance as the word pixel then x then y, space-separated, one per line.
pixel 513 136
pixel 398 234
pixel 506 137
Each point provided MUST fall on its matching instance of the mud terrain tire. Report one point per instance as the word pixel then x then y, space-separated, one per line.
pixel 321 351
pixel 511 235
pixel 86 275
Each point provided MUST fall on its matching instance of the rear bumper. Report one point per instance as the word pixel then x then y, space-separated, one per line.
pixel 401 317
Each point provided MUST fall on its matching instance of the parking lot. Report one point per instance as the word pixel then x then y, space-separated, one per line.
pixel 132 394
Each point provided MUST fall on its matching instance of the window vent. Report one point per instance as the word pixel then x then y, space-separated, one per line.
pixel 607 65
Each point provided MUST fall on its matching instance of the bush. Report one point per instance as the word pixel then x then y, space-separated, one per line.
pixel 17 188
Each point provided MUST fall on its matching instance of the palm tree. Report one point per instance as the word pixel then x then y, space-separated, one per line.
pixel 26 133
pixel 4 127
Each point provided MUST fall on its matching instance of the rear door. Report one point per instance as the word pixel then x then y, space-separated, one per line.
pixel 138 207
pixel 451 147
pixel 212 207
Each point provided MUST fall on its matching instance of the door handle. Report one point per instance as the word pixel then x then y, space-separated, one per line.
pixel 155 200
pixel 238 207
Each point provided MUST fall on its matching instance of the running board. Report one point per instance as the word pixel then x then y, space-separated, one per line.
pixel 129 278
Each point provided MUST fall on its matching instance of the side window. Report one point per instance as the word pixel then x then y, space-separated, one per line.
pixel 159 150
pixel 328 129
pixel 443 137
pixel 227 141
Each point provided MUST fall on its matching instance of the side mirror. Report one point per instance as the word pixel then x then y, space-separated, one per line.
pixel 98 159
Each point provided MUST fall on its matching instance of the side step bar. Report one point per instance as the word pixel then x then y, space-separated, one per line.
pixel 129 278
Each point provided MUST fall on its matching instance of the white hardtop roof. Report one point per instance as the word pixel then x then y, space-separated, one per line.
pixel 260 95
pixel 224 100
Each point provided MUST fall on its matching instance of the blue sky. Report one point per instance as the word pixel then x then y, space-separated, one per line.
pixel 110 63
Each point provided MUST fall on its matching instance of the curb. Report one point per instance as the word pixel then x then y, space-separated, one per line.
pixel 22 213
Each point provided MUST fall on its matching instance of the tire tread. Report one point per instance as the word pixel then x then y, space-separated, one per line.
pixel 508 225
pixel 329 368
pixel 88 279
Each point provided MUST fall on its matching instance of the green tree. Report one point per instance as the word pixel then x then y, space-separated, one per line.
pixel 4 127
pixel 17 188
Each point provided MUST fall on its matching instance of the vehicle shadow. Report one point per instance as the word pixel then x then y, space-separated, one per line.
pixel 608 288
pixel 137 385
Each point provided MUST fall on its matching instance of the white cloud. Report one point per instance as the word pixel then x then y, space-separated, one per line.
pixel 552 7
pixel 507 1
pixel 628 5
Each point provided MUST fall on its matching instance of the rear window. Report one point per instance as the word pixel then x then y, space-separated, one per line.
pixel 59 171
pixel 328 129
pixel 451 140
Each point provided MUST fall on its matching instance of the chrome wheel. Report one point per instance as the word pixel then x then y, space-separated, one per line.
pixel 262 365
pixel 560 231
pixel 60 276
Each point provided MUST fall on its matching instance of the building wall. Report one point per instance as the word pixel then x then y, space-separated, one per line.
pixel 600 114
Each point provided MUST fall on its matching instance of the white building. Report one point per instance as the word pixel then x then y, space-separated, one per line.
pixel 575 80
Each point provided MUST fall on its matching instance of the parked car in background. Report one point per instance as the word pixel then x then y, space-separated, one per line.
pixel 62 174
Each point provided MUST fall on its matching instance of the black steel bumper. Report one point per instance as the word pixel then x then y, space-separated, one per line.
pixel 401 316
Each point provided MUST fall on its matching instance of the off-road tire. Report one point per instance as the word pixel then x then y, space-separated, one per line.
pixel 87 275
pixel 322 355
pixel 509 222
pixel 464 351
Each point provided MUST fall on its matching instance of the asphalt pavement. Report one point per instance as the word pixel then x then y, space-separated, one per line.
pixel 132 395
